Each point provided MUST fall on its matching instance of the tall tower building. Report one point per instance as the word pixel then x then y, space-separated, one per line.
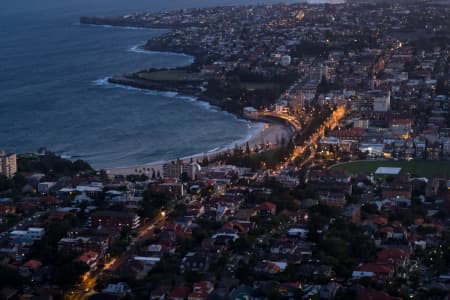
pixel 8 164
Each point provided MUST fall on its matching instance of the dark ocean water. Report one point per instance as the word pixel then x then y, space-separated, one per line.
pixel 52 93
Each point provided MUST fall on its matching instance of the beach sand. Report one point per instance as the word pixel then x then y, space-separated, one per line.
pixel 271 134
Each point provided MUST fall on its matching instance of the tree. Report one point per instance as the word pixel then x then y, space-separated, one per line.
pixel 9 277
pixel 70 273
pixel 275 295
pixel 442 87
pixel 51 164
pixel 324 86
pixel 184 177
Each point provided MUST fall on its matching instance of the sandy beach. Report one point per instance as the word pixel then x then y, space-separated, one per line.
pixel 271 134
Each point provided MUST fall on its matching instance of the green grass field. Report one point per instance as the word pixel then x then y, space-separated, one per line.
pixel 419 168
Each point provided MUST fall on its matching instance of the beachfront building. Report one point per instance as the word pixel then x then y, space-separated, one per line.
pixel 8 164
pixel 175 169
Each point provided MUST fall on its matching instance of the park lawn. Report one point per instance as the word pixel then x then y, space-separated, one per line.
pixel 419 168
pixel 171 75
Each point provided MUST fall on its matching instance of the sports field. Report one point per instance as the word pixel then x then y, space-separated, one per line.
pixel 419 168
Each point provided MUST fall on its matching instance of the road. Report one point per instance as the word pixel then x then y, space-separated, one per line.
pixel 331 123
pixel 290 119
pixel 87 286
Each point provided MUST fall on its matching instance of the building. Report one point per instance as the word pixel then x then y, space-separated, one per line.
pixel 201 290
pixel 396 190
pixel 84 244
pixel 381 101
pixel 92 192
pixel 90 258
pixel 352 213
pixel 27 237
pixel 44 187
pixel 175 169
pixel 8 164
pixel 120 288
pixel 267 209
pixel 171 189
pixel 296 100
pixel 117 220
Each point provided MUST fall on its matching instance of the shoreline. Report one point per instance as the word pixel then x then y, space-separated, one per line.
pixel 269 132
pixel 140 48
pixel 272 134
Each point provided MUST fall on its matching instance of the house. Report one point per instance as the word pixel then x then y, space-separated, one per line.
pixel 161 249
pixel 370 294
pixel 298 216
pixel 371 270
pixel 195 261
pixel 45 187
pixel 394 256
pixel 298 231
pixel 289 289
pixel 240 226
pixel 120 288
pixel 158 294
pixel 30 267
pixel 201 290
pixel 352 213
pixel 270 267
pixel 7 207
pixel 284 247
pixel 267 209
pixel 329 291
pixel 333 199
pixel 179 293
pixel 227 233
pixel 242 292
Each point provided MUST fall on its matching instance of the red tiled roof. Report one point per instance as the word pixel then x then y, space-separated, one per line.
pixel 404 121
pixel 86 256
pixel 366 294
pixel 179 292
pixel 393 255
pixel 33 264
pixel 375 268
pixel 199 295
pixel 267 205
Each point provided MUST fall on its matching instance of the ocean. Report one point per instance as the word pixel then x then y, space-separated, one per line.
pixel 54 93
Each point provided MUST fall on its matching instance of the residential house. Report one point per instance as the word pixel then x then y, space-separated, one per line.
pixel 179 293
pixel 267 209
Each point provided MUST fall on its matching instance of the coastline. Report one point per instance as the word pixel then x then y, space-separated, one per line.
pixel 140 48
pixel 270 132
